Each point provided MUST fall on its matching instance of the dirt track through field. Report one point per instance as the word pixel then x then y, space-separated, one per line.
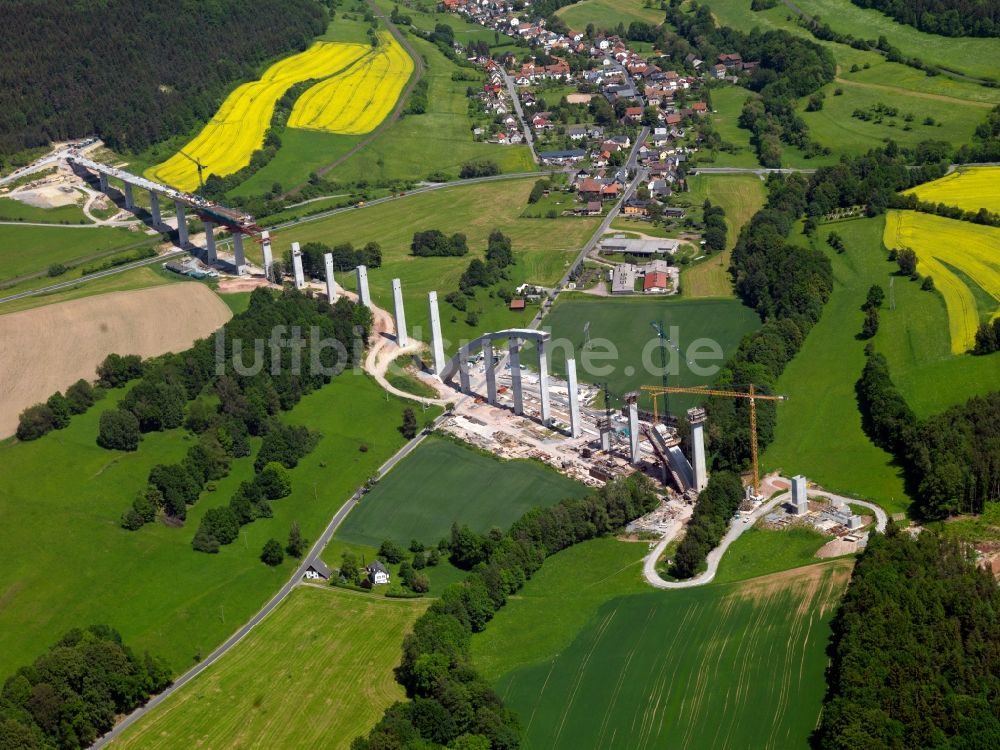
pixel 48 348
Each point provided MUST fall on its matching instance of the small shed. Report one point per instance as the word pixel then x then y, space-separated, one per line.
pixel 517 303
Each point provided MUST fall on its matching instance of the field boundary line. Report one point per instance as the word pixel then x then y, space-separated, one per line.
pixel 918 94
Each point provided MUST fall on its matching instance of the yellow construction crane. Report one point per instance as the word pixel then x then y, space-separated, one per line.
pixel 656 390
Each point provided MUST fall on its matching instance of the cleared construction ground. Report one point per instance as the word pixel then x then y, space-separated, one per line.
pixel 49 348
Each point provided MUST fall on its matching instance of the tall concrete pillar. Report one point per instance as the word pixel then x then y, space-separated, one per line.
pixel 331 285
pixel 300 279
pixel 463 371
pixel 241 258
pixel 364 296
pixel 696 418
pixel 491 374
pixel 182 226
pixel 154 208
pixel 575 429
pixel 543 382
pixel 211 255
pixel 515 375
pixel 397 300
pixel 102 180
pixel 800 498
pixel 437 343
pixel 129 198
pixel 633 431
pixel 265 247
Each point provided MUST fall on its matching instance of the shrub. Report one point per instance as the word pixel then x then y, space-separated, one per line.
pixel 274 481
pixel 81 396
pixel 34 422
pixel 116 370
pixel 272 554
pixel 119 431
pixel 391 552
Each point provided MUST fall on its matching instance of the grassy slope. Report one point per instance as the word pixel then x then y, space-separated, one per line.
pixel 137 278
pixel 543 248
pixel 727 103
pixel 29 249
pixel 303 660
pixel 443 482
pixel 580 651
pixel 761 551
pixel 61 498
pixel 14 210
pixel 607 14
pixel 741 196
pixel 819 429
pixel 626 323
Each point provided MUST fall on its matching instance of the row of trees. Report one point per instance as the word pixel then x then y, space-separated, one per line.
pixel 345 257
pixel 134 72
pixel 55 413
pixel 71 695
pixel 952 459
pixel 715 507
pixel 434 243
pixel 915 659
pixel 451 704
pixel 945 17
pixel 714 233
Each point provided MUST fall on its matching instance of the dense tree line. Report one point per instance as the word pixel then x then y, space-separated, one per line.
pixel 434 243
pixel 345 257
pixel 450 704
pixel 988 338
pixel 985 144
pixel 944 17
pixel 787 285
pixel 789 68
pixel 478 168
pixel 915 659
pixel 71 695
pixel 134 72
pixel 56 411
pixel 249 399
pixel 715 507
pixel 714 233
pixel 952 459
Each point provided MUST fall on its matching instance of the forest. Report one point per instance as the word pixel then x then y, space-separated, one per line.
pixel 951 459
pixel 450 704
pixel 134 72
pixel 944 17
pixel 915 659
pixel 73 694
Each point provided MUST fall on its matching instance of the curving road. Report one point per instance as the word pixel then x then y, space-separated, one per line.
pixel 736 530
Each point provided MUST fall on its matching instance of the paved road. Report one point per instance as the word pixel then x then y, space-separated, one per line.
pixel 512 90
pixel 759 171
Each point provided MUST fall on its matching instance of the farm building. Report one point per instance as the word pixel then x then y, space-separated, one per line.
pixel 317 571
pixel 378 574
pixel 623 278
pixel 640 247
pixel 655 283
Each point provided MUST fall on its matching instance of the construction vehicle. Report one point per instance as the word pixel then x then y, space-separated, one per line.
pixel 752 395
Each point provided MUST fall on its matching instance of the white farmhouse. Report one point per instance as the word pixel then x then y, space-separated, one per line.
pixel 378 574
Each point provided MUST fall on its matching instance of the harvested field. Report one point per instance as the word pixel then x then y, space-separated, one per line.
pixel 48 348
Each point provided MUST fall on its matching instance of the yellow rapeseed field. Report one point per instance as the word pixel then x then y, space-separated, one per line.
pixel 357 100
pixel 226 143
pixel 969 188
pixel 973 249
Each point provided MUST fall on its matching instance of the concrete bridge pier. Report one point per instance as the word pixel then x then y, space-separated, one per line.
pixel 437 344
pixel 491 373
pixel 514 350
pixel 633 431
pixel 331 285
pixel 211 255
pixel 154 208
pixel 574 399
pixel 129 198
pixel 463 372
pixel 300 279
pixel 241 258
pixel 102 180
pixel 543 383
pixel 182 227
pixel 364 296
pixel 397 299
pixel 265 246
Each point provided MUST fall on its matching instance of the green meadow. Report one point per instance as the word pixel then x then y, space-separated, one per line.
pixel 61 498
pixel 607 14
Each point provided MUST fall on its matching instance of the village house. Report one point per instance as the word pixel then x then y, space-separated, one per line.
pixel 378 574
pixel 317 571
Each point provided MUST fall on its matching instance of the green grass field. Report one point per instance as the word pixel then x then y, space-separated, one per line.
pixel 589 658
pixel 13 210
pixel 294 681
pixel 61 498
pixel 761 551
pixel 136 278
pixel 443 482
pixel 626 324
pixel 30 249
pixel 819 429
pixel 741 196
pixel 727 103
pixel 607 14
pixel 543 250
